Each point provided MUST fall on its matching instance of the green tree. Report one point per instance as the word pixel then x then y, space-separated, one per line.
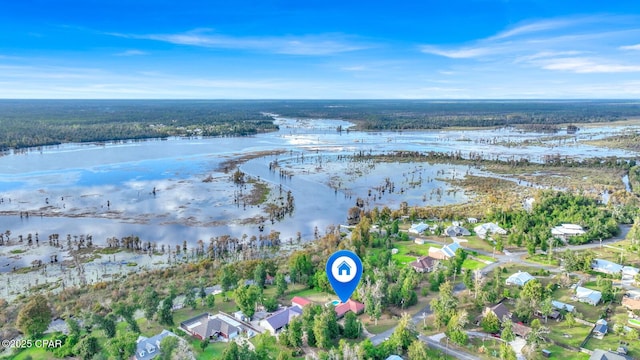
pixel 537 336
pixel 569 320
pixel 123 346
pixel 270 304
pixel 351 326
pixel 150 302
pixel 165 314
pixel 300 267
pixel 418 351
pixel 260 275
pixel 167 346
pixel 228 278
pixel 546 308
pixel 74 327
pixel 211 300
pixel 490 323
pixel 295 332
pixel 507 353
pixel 404 334
pixel 281 284
pixel 189 296
pixel 106 323
pixel 507 333
pixel 455 328
pixel 325 328
pixel 34 317
pixel 532 290
pixel 246 298
pixel 87 347
pixel 444 305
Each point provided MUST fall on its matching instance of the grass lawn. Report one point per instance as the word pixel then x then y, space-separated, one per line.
pixel 542 259
pixel 575 334
pixel 311 294
pixel 36 353
pixel 558 352
pixel 484 257
pixel 611 341
pixel 474 242
pixel 213 351
pixel 471 264
pixel 385 323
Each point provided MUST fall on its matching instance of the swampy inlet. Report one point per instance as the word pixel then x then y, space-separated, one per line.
pixel 277 175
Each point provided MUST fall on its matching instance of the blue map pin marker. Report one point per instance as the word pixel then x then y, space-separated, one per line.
pixel 344 270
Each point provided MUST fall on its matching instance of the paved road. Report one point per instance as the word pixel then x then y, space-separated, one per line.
pixel 445 349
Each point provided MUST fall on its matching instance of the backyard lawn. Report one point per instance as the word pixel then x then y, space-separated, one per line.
pixel 569 335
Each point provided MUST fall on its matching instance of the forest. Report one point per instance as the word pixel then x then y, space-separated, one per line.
pixel 30 123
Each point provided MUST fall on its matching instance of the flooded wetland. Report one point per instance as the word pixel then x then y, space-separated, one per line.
pixel 285 186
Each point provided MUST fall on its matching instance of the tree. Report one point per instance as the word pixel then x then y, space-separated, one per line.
pixel 281 284
pixel 300 267
pixel 260 275
pixel 228 278
pixel 455 328
pixel 351 326
pixel 404 334
pixel 569 320
pixel 167 345
pixel 189 296
pixel 507 353
pixel 150 302
pixel 444 305
pixel 294 332
pixel 87 347
pixel 246 298
pixel 524 309
pixel 532 290
pixel 270 304
pixel 211 300
pixel 106 323
pixel 165 315
pixel 74 327
pixel 546 308
pixel 325 328
pixel 34 317
pixel 507 331
pixel 418 351
pixel 537 336
pixel 122 346
pixel 490 323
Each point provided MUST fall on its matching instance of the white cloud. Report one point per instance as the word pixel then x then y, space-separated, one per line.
pixel 585 65
pixel 132 52
pixel 630 47
pixel 326 44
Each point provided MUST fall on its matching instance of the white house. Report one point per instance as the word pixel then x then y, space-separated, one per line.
pixel 448 251
pixel 566 231
pixel 588 296
pixel 418 228
pixel 606 266
pixel 488 228
pixel 520 278
pixel 562 306
pixel 279 320
pixel 630 271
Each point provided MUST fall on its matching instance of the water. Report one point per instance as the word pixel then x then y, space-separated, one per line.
pixel 107 189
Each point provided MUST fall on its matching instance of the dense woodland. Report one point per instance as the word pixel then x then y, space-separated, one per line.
pixel 29 123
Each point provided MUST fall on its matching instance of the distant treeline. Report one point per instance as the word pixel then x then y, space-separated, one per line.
pixel 433 114
pixel 28 123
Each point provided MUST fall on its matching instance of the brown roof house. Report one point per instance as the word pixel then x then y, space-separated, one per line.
pixel 351 305
pixel 424 264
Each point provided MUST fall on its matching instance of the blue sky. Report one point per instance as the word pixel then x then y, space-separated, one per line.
pixel 319 49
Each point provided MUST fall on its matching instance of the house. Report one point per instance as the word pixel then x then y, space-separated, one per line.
pixel 456 230
pixel 489 228
pixel 394 357
pixel 418 228
pixel 499 310
pixel 419 241
pixel 344 269
pixel 631 300
pixel 351 305
pixel 239 315
pixel 424 264
pixel 448 251
pixel 588 296
pixel 565 231
pixel 280 319
pixel 148 348
pixel 606 266
pixel 300 301
pixel 605 355
pixel 601 329
pixel 630 271
pixel 521 330
pixel 520 278
pixel 562 306
pixel 212 327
